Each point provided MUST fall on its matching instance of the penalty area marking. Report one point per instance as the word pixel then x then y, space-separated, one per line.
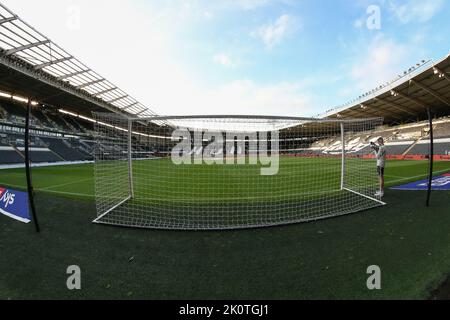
pixel 50 191
pixel 47 189
pixel 419 176
pixel 64 184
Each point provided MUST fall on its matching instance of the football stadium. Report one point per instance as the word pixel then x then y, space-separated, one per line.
pixel 216 206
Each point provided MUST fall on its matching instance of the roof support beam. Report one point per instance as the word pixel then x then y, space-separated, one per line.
pixel 130 106
pixel 38 75
pixel 47 64
pixel 104 91
pixel 117 99
pixel 5 20
pixel 395 106
pixel 89 83
pixel 70 75
pixel 431 91
pixel 25 47
pixel 398 113
pixel 441 73
pixel 379 113
pixel 413 100
pixel 362 110
pixel 139 113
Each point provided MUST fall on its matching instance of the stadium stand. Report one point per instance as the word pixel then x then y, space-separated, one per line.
pixel 441 147
pixel 8 154
pixel 47 145
pixel 57 121
pixel 44 120
pixel 65 150
pixel 3 114
pixel 83 147
pixel 38 150
pixel 398 148
pixel 442 130
pixel 43 155
pixel 411 139
pixel 88 146
pixel 69 138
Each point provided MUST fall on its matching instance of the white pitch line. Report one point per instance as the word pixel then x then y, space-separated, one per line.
pixel 12 185
pixel 391 176
pixel 69 193
pixel 49 191
pixel 65 184
pixel 419 176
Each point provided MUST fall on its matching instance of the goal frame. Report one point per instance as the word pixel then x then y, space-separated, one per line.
pixel 131 120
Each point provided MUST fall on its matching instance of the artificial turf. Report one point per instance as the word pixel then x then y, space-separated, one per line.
pixel 318 260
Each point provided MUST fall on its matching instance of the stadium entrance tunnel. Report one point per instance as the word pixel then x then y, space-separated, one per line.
pixel 230 172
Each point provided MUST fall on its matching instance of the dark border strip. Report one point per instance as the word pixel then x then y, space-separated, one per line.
pixel 430 157
pixel 28 167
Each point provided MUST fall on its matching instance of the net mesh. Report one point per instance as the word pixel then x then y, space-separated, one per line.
pixel 197 173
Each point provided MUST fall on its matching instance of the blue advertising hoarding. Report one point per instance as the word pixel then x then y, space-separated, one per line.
pixel 14 204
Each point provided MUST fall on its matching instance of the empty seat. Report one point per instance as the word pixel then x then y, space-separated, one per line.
pixel 64 150
pixel 10 157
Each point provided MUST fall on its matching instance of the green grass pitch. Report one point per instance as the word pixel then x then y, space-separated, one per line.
pixel 318 260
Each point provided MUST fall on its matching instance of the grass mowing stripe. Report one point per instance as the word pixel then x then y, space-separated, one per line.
pixel 391 176
pixel 7 184
pixel 23 187
pixel 419 176
pixel 62 177
pixel 65 184
pixel 264 197
pixel 68 193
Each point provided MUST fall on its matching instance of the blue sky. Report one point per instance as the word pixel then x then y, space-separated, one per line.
pixel 271 57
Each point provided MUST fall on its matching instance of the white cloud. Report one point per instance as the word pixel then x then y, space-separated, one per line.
pixel 247 97
pixel 272 34
pixel 415 10
pixel 381 61
pixel 358 23
pixel 207 14
pixel 224 60
pixel 156 75
pixel 150 73
pixel 243 96
pixel 252 4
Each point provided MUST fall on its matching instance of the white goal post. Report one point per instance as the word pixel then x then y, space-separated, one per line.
pixel 229 172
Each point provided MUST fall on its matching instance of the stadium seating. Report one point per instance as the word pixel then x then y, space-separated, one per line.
pixel 398 148
pixel 441 147
pixel 63 148
pixel 409 139
pixel 38 150
pixel 43 119
pixel 404 140
pixel 43 149
pixel 8 155
pixel 85 147
pixel 442 131
pixel 3 114
pixel 43 155
pixel 13 109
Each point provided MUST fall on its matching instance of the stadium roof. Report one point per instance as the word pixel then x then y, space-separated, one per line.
pixel 406 98
pixel 33 66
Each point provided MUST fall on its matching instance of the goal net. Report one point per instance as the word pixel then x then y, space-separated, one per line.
pixel 227 172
